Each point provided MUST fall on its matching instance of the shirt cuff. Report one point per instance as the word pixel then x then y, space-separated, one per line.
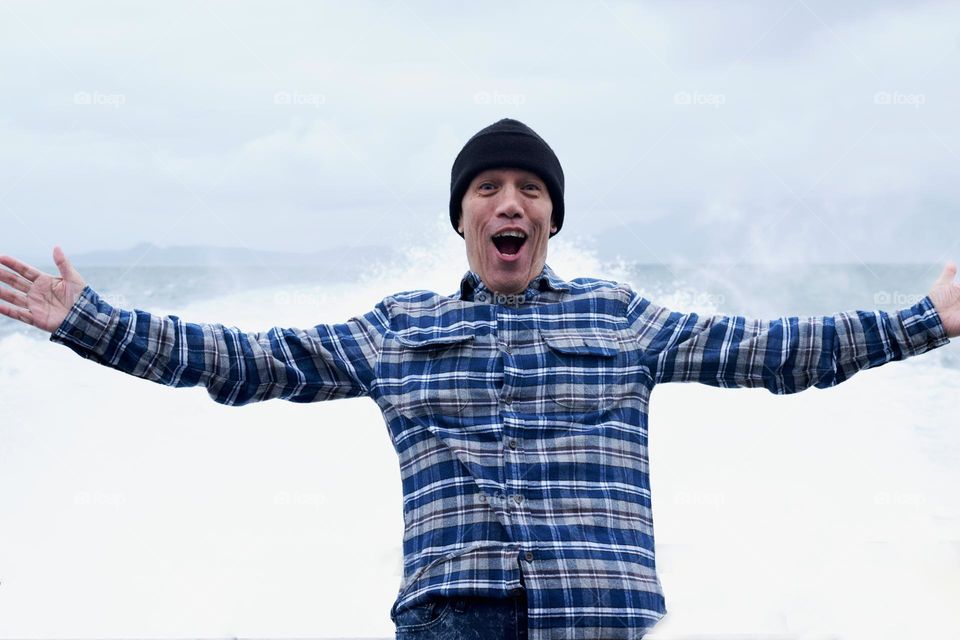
pixel 86 322
pixel 923 327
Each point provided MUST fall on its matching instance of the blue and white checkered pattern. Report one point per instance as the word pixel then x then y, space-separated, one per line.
pixel 520 422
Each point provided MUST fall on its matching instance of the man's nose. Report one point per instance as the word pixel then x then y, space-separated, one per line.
pixel 510 205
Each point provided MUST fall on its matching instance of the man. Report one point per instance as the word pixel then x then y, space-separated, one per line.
pixel 517 406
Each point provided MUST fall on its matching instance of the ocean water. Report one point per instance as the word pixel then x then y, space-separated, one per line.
pixel 135 510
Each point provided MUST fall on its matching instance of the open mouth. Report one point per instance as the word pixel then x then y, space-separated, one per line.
pixel 509 242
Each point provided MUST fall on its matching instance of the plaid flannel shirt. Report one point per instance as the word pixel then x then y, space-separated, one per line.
pixel 520 422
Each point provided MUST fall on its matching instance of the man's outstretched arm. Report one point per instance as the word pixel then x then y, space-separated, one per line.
pixel 790 354
pixel 322 363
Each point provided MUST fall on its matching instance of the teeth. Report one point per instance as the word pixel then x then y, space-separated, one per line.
pixel 515 234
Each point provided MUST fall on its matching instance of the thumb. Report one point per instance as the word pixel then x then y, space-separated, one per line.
pixel 948 273
pixel 67 272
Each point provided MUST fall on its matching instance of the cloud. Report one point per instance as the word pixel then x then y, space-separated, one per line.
pixel 311 118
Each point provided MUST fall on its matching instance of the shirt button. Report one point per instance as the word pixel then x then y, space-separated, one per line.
pixel 508 400
pixel 512 444
pixel 528 556
pixel 481 297
pixel 518 498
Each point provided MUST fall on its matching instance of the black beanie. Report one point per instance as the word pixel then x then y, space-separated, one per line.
pixel 506 143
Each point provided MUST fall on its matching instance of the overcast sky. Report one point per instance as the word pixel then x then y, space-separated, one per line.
pixel 805 130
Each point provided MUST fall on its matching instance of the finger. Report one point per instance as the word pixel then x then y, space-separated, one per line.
pixel 22 268
pixel 23 315
pixel 14 297
pixel 67 272
pixel 15 281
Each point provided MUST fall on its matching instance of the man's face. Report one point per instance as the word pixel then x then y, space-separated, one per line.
pixel 506 200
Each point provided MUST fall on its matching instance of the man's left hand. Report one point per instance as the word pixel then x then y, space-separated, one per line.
pixel 946 298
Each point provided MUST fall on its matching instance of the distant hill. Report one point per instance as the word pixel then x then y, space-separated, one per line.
pixel 150 255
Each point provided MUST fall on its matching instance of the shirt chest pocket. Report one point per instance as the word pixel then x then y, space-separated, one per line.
pixel 448 375
pixel 584 369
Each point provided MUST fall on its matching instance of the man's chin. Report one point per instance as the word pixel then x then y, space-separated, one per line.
pixel 508 280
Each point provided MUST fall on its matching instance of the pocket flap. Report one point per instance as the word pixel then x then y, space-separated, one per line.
pixel 428 340
pixel 592 341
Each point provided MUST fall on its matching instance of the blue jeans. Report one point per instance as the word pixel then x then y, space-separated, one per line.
pixel 461 617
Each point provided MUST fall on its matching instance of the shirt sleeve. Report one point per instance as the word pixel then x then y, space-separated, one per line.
pixel 326 362
pixel 783 355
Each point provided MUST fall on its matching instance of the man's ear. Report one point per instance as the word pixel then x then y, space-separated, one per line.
pixel 460 222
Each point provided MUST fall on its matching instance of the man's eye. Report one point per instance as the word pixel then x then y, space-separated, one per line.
pixel 534 185
pixel 485 184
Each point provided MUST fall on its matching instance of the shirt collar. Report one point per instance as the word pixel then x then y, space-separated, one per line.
pixel 546 280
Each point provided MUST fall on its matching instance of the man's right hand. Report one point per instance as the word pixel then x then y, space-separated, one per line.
pixel 39 299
